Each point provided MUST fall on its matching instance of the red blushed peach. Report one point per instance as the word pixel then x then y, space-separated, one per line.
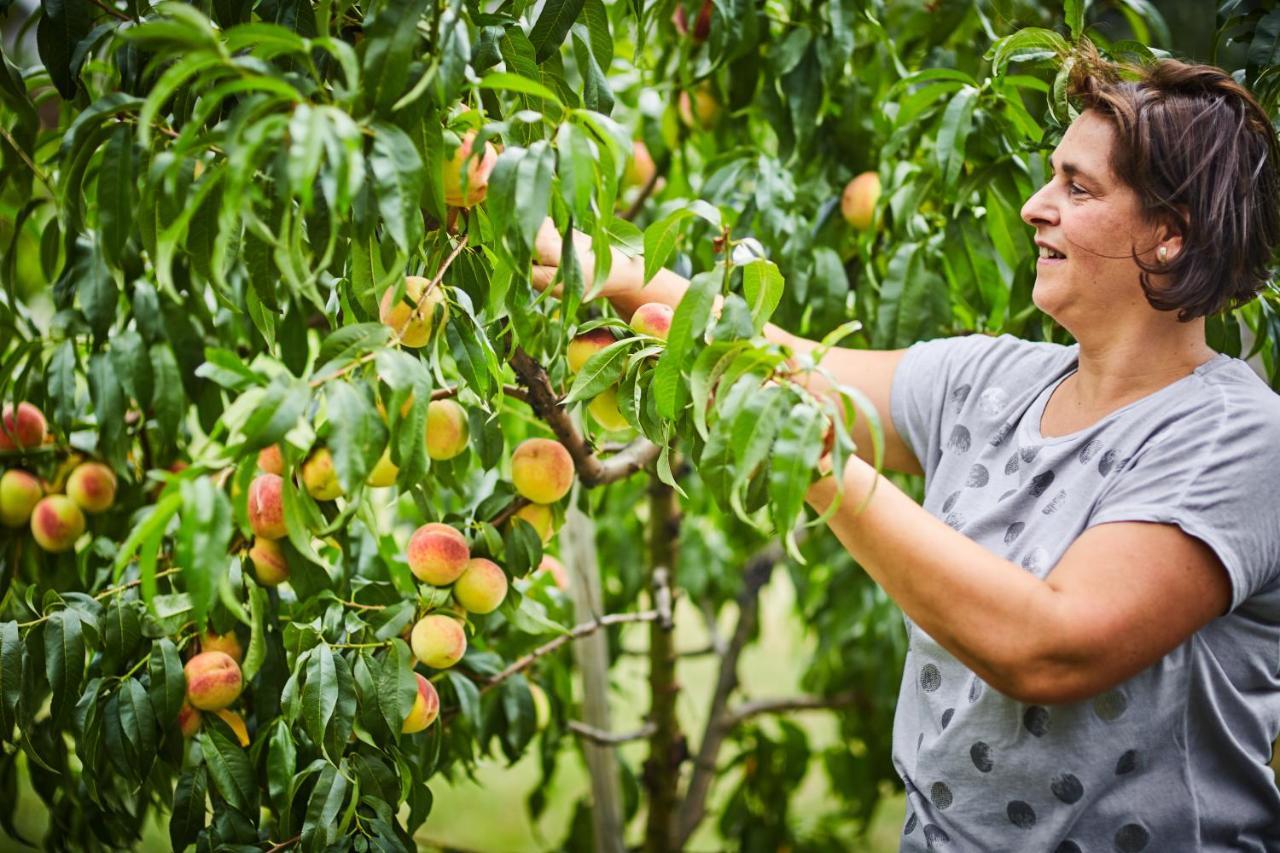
pixel 22 428
pixel 56 523
pixel 542 519
pixel 477 169
pixel 858 201
pixel 426 707
pixel 19 494
pixel 271 460
pixel 269 562
pixel 320 477
pixel 482 586
pixel 437 554
pixel 701 111
pixel 266 507
pixel 558 572
pixel 640 166
pixel 542 470
pixel 438 641
pixel 228 644
pixel 653 318
pixel 586 345
pixel 213 681
pixel 411 317
pixel 236 722
pixel 93 487
pixel 447 430
pixel 188 719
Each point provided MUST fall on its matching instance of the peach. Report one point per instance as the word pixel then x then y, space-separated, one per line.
pixel 320 477
pixel 188 719
pixel 654 319
pixel 236 722
pixel 213 681
pixel 437 554
pixel 586 345
pixel 478 170
pixel 23 428
pixel 438 641
pixel 542 519
pixel 413 320
pixel 640 167
pixel 269 562
pixel 384 473
pixel 19 494
pixel 542 470
pixel 271 460
pixel 266 507
pixel 482 587
pixel 604 408
pixel 858 201
pixel 426 707
pixel 447 430
pixel 228 644
pixel 56 523
pixel 541 706
pixel 558 572
pixel 701 111
pixel 93 487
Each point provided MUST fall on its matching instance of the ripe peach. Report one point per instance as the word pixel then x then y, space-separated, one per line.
pixel 640 166
pixel 701 111
pixel 19 494
pixel 542 470
pixel 438 641
pixel 320 477
pixel 266 506
pixel 269 562
pixel 93 487
pixel 447 430
pixel 236 722
pixel 542 519
pixel 22 429
pixel 604 408
pixel 413 320
pixel 56 523
pixel 478 171
pixel 271 460
pixel 482 586
pixel 437 554
pixel 384 473
pixel 228 644
pixel 426 707
pixel 858 202
pixel 653 318
pixel 586 345
pixel 213 681
pixel 557 570
pixel 188 719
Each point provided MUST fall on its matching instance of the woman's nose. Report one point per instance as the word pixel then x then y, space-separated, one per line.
pixel 1039 208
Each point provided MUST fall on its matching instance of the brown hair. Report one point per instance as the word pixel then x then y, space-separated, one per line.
pixel 1202 156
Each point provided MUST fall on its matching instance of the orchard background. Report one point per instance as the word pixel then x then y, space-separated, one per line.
pixel 207 211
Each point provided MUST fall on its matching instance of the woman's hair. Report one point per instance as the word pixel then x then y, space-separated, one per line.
pixel 1202 156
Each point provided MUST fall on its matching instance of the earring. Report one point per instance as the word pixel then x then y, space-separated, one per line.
pixel 1163 253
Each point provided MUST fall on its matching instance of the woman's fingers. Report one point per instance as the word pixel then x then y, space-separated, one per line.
pixel 546 246
pixel 543 276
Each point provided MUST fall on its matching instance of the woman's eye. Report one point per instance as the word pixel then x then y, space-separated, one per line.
pixel 1076 189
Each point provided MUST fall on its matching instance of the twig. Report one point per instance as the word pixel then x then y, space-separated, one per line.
pixel 647 190
pixel 748 710
pixel 517 503
pixel 594 735
pixel 22 155
pixel 112 11
pixel 288 842
pixel 106 593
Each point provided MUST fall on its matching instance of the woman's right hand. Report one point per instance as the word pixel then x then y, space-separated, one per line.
pixel 625 274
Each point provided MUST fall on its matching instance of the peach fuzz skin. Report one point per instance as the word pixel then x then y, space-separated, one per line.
pixel 213 681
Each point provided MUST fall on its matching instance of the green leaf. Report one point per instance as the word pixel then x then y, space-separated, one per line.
pixel 601 370
pixel 357 434
pixel 397 686
pixel 687 328
pixel 1073 11
pixel 202 542
pixel 170 404
pixel 1026 45
pixel 10 677
pixel 138 721
pixel 117 193
pixel 320 827
pixel 122 631
pixel 62 24
pixel 398 180
pixel 64 662
pixel 762 285
pixel 188 812
pixel 285 401
pixel 282 765
pixel 228 766
pixel 660 240
pixel 257 651
pixel 793 464
pixel 168 687
pixel 506 81
pixel 319 693
pixel 552 26
pixel 957 122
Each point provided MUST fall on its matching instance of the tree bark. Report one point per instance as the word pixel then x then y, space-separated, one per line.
pixel 667 748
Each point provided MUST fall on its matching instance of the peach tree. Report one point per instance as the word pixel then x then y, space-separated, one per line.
pixel 290 438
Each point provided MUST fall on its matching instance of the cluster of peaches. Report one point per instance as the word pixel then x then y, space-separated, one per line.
pixel 55 511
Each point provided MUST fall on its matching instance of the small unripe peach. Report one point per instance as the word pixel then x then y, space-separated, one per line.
pixel 541 706
pixel 271 460
pixel 558 572
pixel 653 318
pixel 93 487
pixel 188 719
pixel 482 586
pixel 586 345
pixel 22 429
pixel 438 641
pixel 384 473
pixel 477 170
pixel 19 494
pixel 228 644
pixel 320 477
pixel 413 319
pixel 542 470
pixel 447 429
pixel 604 408
pixel 437 554
pixel 56 523
pixel 426 707
pixel 701 111
pixel 542 519
pixel 236 722
pixel 266 507
pixel 213 681
pixel 640 166
pixel 858 202
pixel 269 562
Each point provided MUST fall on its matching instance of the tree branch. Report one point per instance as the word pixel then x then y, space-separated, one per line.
pixel 747 710
pixel 647 190
pixel 602 738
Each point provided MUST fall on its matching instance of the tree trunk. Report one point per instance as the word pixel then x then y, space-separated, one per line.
pixel 667 748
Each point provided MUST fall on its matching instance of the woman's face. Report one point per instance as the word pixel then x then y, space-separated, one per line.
pixel 1092 219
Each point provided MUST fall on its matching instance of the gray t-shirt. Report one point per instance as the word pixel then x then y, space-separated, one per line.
pixel 1176 757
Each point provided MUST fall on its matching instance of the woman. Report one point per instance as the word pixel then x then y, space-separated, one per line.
pixel 1091 589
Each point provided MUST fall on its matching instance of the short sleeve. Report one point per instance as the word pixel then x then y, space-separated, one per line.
pixel 1216 480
